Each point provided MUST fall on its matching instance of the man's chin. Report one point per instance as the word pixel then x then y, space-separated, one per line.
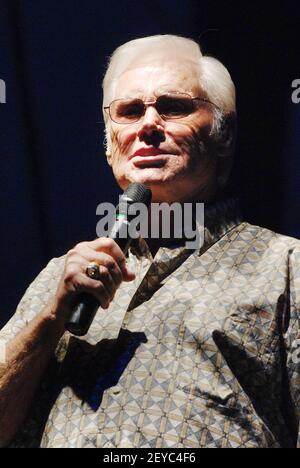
pixel 148 177
pixel 158 187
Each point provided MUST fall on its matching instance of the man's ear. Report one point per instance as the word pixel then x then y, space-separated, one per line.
pixel 106 144
pixel 226 137
pixel 225 144
pixel 108 155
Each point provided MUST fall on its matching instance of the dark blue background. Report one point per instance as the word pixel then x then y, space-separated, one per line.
pixel 53 169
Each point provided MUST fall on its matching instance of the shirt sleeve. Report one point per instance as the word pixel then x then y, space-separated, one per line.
pixel 292 339
pixel 36 297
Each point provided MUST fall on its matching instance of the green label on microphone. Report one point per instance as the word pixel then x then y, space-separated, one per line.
pixel 120 216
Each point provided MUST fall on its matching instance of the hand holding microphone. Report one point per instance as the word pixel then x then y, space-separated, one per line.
pixel 94 270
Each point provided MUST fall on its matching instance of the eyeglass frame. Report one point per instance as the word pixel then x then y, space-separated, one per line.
pixel 152 103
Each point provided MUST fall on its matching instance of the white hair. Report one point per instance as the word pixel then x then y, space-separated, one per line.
pixel 215 80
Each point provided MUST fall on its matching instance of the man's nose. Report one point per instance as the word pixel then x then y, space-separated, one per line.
pixel 151 128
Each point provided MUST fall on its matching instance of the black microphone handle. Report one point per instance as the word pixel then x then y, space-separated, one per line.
pixel 82 315
pixel 87 305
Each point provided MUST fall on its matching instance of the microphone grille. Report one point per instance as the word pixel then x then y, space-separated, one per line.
pixel 138 193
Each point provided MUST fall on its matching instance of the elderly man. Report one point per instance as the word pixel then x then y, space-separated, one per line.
pixel 190 348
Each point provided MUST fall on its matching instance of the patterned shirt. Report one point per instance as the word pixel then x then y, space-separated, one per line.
pixel 202 349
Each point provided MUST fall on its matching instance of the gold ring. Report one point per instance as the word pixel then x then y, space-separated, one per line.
pixel 93 271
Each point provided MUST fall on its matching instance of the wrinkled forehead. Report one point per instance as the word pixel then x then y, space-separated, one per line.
pixel 176 55
pixel 154 74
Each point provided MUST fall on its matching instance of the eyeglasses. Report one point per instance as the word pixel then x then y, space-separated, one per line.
pixel 170 106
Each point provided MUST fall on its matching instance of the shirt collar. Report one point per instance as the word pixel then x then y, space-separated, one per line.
pixel 220 217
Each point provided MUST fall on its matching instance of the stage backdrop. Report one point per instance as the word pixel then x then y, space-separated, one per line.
pixel 53 169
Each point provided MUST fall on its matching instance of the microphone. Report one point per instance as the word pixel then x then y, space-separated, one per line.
pixel 86 304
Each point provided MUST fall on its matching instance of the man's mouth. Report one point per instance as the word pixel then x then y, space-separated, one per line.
pixel 150 157
pixel 150 161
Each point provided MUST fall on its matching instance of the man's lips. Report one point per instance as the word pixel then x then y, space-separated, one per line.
pixel 150 152
pixel 150 157
pixel 150 161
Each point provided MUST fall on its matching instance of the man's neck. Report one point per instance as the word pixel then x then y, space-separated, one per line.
pixel 174 237
pixel 155 244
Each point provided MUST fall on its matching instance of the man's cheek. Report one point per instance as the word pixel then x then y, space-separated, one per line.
pixel 189 143
pixel 122 144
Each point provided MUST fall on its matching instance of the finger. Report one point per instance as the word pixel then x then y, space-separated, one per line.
pixel 128 275
pixel 76 281
pixel 109 246
pixel 107 280
pixel 99 290
pixel 77 266
pixel 106 261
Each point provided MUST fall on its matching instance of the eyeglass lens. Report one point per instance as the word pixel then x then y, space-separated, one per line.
pixel 168 106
